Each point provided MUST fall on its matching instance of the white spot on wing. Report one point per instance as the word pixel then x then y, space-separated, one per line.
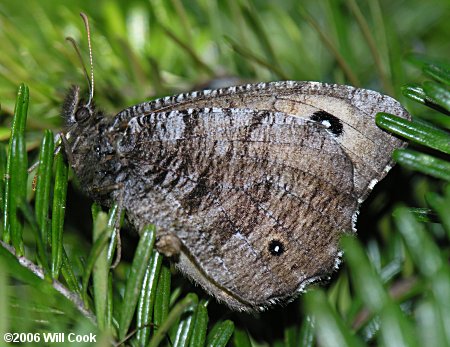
pixel 372 183
pixel 326 123
pixel 338 260
pixel 354 218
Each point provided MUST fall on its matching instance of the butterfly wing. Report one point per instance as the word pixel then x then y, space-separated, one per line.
pixel 348 112
pixel 258 199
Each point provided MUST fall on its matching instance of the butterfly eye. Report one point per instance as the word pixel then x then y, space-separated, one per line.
pixel 276 248
pixel 82 115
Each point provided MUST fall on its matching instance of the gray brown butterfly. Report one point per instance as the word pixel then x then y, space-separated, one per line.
pixel 249 187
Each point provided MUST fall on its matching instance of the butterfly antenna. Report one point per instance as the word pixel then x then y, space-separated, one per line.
pixel 91 84
pixel 80 58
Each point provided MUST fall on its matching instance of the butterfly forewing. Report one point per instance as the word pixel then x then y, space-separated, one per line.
pixel 368 147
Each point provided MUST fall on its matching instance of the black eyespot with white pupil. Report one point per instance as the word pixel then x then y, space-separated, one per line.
pixel 331 122
pixel 276 248
pixel 82 115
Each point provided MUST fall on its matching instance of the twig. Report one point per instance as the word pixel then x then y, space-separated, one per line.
pixel 58 286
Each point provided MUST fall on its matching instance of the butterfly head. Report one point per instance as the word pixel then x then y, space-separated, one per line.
pixel 87 144
pixel 76 111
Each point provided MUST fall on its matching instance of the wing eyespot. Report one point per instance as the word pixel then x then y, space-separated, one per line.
pixel 276 248
pixel 332 123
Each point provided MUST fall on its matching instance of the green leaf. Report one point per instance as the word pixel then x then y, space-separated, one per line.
pixel 173 316
pixel 147 299
pixel 135 278
pixel 43 185
pixel 422 214
pixel 290 335
pixel 58 213
pixel 366 281
pixel 69 274
pixel 220 334
pixel 200 327
pixel 100 243
pixel 422 133
pixel 4 302
pixel 395 329
pixel 100 272
pixel 424 163
pixel 18 271
pixel 110 303
pixel 114 223
pixel 330 328
pixel 18 190
pixel 161 307
pixel 16 173
pixel 424 251
pixel 240 338
pixel 186 325
pixel 438 94
pixel 441 204
pixel 415 92
pixel 432 329
pixel 306 335
pixel 3 160
pixel 438 72
pixel 42 255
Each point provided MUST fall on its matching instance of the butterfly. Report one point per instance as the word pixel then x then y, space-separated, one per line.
pixel 249 187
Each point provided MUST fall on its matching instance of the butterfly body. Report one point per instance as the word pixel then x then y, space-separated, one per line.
pixel 256 183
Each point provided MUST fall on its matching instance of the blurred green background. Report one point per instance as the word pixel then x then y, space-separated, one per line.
pixel 147 49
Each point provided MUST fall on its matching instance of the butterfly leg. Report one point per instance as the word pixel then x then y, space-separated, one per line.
pixel 168 244
pixel 67 147
pixel 117 223
pixel 56 151
pixel 120 211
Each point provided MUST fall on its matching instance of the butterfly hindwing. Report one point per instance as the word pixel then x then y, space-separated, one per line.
pixel 242 184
